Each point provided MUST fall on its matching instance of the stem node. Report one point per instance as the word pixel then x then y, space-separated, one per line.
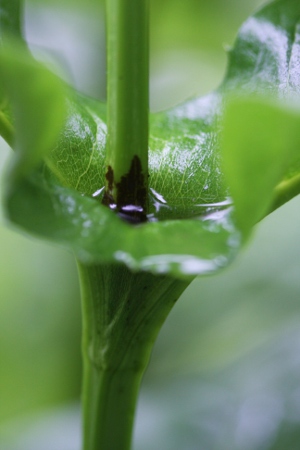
pixel 128 108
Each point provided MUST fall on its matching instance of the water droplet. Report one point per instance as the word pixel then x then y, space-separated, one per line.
pixel 132 209
pixel 132 214
pixel 183 208
pixel 160 209
pixel 158 196
pixel 98 192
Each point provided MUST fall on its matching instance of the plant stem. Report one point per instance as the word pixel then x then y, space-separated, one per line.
pixel 128 102
pixel 110 426
pixel 122 314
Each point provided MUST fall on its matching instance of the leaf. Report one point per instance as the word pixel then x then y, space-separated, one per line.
pixel 190 229
pixel 261 136
pixel 78 159
pixel 265 58
pixel 97 235
pixel 184 161
pixel 37 101
pixel 259 141
pixel 10 23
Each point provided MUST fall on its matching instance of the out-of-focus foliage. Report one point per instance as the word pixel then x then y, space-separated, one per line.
pixel 260 144
pixel 188 41
pixel 225 371
pixel 227 358
pixel 39 325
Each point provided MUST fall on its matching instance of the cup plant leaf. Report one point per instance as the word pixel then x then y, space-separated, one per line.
pixel 193 228
pixel 261 143
pixel 261 131
pixel 37 105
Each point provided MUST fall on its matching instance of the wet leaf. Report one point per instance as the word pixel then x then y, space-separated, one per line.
pixel 96 234
pixel 190 229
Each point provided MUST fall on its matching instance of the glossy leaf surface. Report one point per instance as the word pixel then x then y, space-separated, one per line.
pixel 98 235
pixel 190 230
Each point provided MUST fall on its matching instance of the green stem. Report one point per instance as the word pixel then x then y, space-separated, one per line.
pixel 128 101
pixel 122 315
pixel 111 406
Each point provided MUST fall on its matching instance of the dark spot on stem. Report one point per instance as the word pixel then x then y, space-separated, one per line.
pixel 130 201
pixel 108 199
pixel 110 178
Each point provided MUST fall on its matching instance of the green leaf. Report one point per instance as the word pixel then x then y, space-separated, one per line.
pixel 96 234
pixel 259 141
pixel 78 159
pixel 190 229
pixel 10 19
pixel 37 101
pixel 265 58
pixel 261 136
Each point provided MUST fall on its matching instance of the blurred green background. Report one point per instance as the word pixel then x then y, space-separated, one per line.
pixel 225 372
